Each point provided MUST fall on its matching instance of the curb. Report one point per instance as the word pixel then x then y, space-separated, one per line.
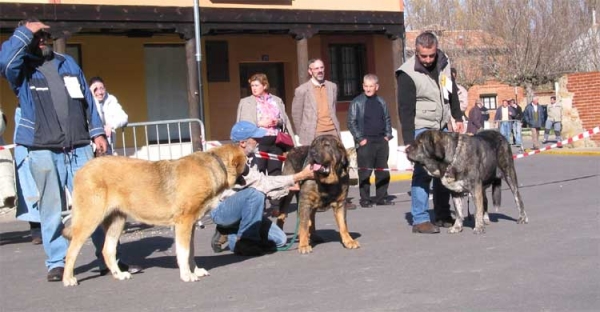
pixel 574 152
pixel 395 177
pixel 407 175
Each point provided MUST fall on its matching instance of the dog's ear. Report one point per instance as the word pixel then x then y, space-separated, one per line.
pixel 343 154
pixel 436 146
pixel 343 161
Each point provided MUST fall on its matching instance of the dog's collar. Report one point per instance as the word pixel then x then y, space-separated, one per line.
pixel 219 161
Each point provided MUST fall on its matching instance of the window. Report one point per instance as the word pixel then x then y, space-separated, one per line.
pixel 347 63
pixel 74 50
pixel 217 61
pixel 489 101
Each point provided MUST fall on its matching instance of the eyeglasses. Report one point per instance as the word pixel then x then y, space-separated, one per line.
pixel 43 34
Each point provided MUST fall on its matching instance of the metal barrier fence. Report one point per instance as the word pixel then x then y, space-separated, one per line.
pixel 160 140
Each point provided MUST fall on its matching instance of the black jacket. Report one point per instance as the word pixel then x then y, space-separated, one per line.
pixel 356 113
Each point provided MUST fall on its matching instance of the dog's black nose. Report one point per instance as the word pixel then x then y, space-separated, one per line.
pixel 324 170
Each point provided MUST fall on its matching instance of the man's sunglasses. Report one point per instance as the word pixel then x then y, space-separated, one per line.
pixel 42 34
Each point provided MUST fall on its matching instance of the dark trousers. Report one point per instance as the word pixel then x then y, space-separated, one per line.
pixel 272 167
pixel 373 155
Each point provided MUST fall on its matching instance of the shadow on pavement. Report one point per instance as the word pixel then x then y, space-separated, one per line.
pixel 557 181
pixel 17 237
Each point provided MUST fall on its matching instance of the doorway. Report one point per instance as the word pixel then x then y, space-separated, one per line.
pixel 274 72
pixel 166 87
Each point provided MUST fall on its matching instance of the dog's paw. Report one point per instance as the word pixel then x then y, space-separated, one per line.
pixel 351 244
pixel 122 276
pixel 200 272
pixel 523 220
pixel 455 229
pixel 189 276
pixel 486 219
pixel 70 281
pixel 305 249
pixel 479 230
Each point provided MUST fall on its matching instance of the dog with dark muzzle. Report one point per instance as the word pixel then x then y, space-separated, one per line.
pixel 469 164
pixel 329 189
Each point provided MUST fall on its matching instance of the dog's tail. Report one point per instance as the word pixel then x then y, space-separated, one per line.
pixel 66 232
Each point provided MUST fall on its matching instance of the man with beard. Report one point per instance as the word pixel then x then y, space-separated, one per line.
pixel 426 96
pixel 239 214
pixel 314 108
pixel 314 105
pixel 56 119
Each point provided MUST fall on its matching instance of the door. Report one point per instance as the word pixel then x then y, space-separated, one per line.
pixel 166 88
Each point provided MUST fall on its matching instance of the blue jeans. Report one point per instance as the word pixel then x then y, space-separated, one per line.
pixel 516 129
pixel 52 171
pixel 420 195
pixel 505 128
pixel 246 207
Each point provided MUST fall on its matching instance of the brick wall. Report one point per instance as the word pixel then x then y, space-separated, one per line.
pixel 502 92
pixel 586 98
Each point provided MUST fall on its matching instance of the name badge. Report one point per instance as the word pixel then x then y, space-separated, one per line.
pixel 73 87
pixel 447 86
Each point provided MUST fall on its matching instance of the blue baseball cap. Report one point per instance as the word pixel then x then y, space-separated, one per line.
pixel 243 130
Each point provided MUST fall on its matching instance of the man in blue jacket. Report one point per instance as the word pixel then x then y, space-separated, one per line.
pixel 58 119
pixel 370 124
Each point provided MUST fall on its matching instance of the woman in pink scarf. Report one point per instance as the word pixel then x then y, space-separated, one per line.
pixel 267 111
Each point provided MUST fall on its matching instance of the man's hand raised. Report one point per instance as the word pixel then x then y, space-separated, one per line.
pixel 36 26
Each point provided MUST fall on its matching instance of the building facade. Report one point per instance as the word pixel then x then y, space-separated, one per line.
pixel 145 50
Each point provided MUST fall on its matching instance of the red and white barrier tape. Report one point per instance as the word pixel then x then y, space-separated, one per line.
pixel 270 156
pixel 578 137
pixel 383 169
pixel 7 147
pixel 282 158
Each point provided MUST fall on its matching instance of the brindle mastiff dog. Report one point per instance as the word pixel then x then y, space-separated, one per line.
pixel 167 192
pixel 329 189
pixel 468 163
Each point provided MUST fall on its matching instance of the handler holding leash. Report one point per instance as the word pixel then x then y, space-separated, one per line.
pixel 239 215
pixel 426 95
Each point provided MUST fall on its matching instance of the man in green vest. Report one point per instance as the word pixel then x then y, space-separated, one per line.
pixel 427 96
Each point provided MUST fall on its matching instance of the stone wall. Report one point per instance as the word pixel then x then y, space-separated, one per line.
pixel 579 94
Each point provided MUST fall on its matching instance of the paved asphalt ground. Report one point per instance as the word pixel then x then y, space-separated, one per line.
pixel 550 264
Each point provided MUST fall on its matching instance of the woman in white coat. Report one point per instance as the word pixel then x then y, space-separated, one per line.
pixel 111 112
pixel 7 173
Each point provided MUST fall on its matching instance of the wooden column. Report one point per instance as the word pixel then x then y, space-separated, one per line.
pixel 302 59
pixel 397 60
pixel 186 32
pixel 60 34
pixel 396 35
pixel 193 92
pixel 302 35
pixel 59 45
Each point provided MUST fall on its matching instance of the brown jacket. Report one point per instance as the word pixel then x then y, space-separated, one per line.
pixel 304 110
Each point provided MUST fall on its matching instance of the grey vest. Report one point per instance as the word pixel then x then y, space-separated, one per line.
pixel 432 111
